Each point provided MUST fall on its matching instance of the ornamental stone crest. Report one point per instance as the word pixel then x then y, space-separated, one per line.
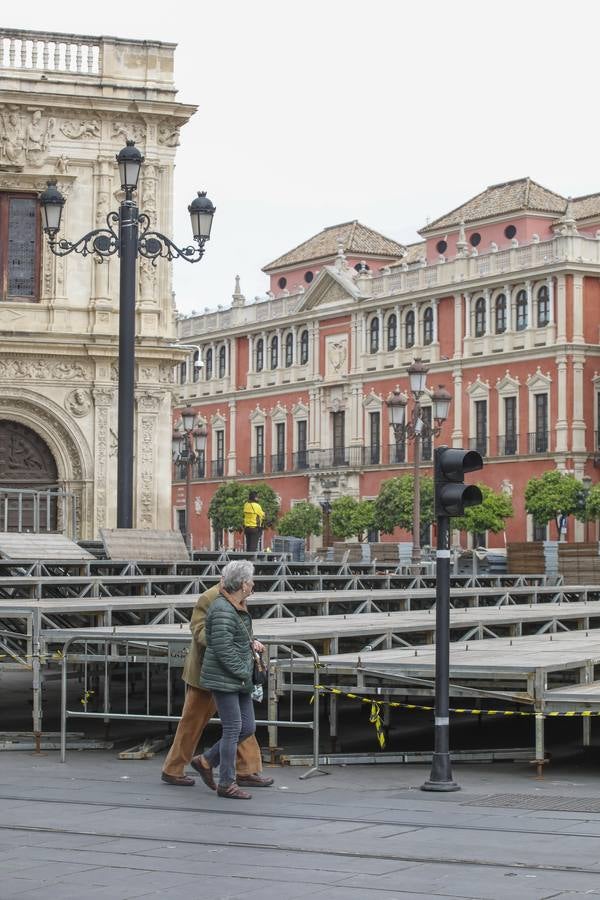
pixel 337 354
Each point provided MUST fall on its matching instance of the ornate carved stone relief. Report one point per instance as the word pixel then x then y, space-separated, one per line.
pixel 25 136
pixel 78 402
pixel 43 370
pixel 78 128
pixel 129 131
pixel 168 135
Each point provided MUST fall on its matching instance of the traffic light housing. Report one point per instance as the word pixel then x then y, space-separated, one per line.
pixel 452 495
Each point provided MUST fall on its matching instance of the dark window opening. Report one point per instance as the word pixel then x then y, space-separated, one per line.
pixel 20 247
pixel 222 360
pixel 521 311
pixel 208 365
pixel 260 355
pixel 428 325
pixel 304 348
pixel 500 323
pixel 475 239
pixel 441 247
pixel 274 352
pixel 543 307
pixel 308 277
pixel 289 349
pixel 282 282
pixel 510 231
pixel 374 335
pixel 480 317
pixel 409 329
pixel 392 332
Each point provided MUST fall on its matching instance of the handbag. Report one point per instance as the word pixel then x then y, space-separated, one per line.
pixel 259 670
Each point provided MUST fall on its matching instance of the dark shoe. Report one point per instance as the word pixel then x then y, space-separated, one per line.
pixel 233 792
pixel 179 780
pixel 255 780
pixel 205 772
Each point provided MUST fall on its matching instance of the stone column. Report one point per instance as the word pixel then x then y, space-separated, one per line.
pixel 101 301
pixel 313 422
pixel 578 337
pixel 561 418
pixel 232 455
pixel 488 311
pixel 251 360
pixel 561 309
pixel 457 432
pixel 509 308
pixel 434 306
pixel 232 360
pixel 578 433
pixel 458 325
pixel 467 315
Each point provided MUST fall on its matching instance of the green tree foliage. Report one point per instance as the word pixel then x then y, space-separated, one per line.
pixel 393 506
pixel 592 506
pixel 350 517
pixel 301 521
pixel 491 515
pixel 553 495
pixel 226 510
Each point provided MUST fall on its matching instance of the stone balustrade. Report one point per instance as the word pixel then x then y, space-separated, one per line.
pixel 46 51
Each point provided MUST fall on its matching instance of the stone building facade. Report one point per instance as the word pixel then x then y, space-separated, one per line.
pixel 67 105
pixel 500 297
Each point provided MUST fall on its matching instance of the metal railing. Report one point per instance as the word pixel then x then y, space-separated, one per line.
pixel 508 444
pixel 300 460
pixel 397 453
pixel 38 511
pixel 137 656
pixel 257 465
pixel 217 468
pixel 278 462
pixel 538 442
pixel 479 444
pixel 180 470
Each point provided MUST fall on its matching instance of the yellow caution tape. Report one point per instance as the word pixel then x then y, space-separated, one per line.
pixel 86 697
pixel 394 704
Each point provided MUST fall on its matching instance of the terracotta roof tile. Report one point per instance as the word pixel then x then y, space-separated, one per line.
pixel 356 239
pixel 587 207
pixel 499 199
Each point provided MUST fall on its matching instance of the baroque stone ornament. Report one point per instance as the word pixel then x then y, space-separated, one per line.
pixel 168 135
pixel 78 402
pixel 129 131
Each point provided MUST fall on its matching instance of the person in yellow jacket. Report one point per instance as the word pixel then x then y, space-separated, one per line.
pixel 254 519
pixel 198 708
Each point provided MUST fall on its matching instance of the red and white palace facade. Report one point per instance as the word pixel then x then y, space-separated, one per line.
pixel 501 298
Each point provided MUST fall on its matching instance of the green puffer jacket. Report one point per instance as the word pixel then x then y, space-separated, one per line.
pixel 228 661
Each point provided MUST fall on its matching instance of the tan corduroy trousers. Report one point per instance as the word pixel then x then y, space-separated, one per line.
pixel 198 708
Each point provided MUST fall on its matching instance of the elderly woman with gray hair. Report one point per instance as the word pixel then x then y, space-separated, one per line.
pixel 227 672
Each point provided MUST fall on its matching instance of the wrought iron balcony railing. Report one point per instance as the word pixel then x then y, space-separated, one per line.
pixel 538 442
pixel 479 444
pixel 257 465
pixel 217 468
pixel 300 460
pixel 508 444
pixel 278 462
pixel 198 470
pixel 397 453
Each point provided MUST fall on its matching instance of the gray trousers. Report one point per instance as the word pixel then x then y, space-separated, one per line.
pixel 236 712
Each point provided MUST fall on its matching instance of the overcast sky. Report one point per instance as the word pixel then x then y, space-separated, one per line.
pixel 322 111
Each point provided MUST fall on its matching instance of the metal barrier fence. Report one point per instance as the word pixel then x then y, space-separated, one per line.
pixel 135 654
pixel 38 511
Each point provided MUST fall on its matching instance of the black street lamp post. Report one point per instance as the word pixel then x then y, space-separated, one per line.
pixel 416 429
pixel 189 447
pixel 127 234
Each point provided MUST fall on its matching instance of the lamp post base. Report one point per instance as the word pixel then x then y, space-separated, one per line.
pixel 441 775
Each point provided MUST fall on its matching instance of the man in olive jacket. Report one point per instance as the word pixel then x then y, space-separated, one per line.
pixel 198 708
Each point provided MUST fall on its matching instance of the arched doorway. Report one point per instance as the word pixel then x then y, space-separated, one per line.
pixel 26 465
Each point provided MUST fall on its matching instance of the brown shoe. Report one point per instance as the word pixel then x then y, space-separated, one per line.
pixel 204 771
pixel 233 792
pixel 179 780
pixel 254 780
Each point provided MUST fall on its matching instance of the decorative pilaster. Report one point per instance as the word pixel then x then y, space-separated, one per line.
pixel 561 418
pixel 457 432
pixel 148 406
pixel 578 425
pixel 578 337
pixel 103 401
pixel 232 455
pixel 458 325
pixel 561 309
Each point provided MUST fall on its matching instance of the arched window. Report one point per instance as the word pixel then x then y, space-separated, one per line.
pixel 500 314
pixel 304 348
pixel 428 325
pixel 195 367
pixel 521 310
pixel 409 328
pixel 480 317
pixel 543 307
pixel 289 349
pixel 392 331
pixel 374 335
pixel 208 364
pixel 260 354
pixel 274 352
pixel 222 360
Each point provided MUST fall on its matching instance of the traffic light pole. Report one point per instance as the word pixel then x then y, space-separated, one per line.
pixel 440 778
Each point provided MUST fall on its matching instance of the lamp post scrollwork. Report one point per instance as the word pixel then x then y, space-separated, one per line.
pixel 416 430
pixel 128 235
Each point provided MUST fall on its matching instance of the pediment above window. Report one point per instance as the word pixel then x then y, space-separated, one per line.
pixel 507 384
pixel 330 289
pixel 257 416
pixel 217 421
pixel 372 401
pixel 478 389
pixel 300 410
pixel 278 413
pixel 539 381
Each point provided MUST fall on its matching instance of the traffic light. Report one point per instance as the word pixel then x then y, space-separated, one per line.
pixel 452 495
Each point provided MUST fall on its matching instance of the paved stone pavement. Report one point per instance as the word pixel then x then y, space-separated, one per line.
pixel 98 827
